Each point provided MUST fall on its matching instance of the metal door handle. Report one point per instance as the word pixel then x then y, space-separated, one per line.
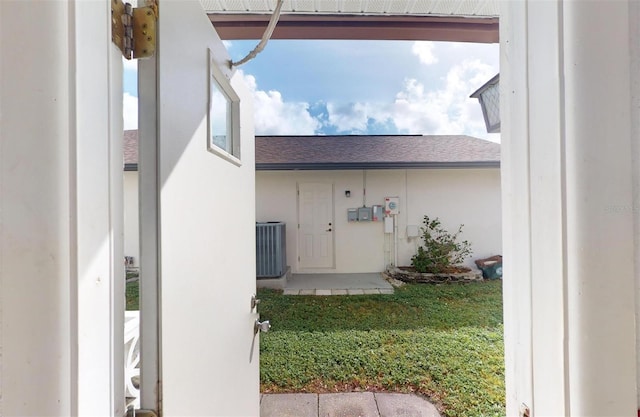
pixel 261 326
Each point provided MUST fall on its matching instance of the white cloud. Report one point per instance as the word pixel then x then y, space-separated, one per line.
pixel 447 110
pixel 275 116
pixel 355 117
pixel 130 111
pixel 423 105
pixel 424 51
pixel 349 117
pixel 420 110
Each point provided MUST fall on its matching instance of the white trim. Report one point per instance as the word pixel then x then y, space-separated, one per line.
pixel 569 284
pixel 97 130
pixel 634 22
pixel 149 285
pixel 515 206
pixel 217 78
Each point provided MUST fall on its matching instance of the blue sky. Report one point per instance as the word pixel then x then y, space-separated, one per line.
pixel 360 87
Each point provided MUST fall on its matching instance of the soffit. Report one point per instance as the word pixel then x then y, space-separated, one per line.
pixel 440 20
pixel 467 8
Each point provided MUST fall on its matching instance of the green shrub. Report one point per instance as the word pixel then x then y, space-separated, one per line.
pixel 441 249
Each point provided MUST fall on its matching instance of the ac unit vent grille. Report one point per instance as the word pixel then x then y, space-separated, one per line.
pixel 271 253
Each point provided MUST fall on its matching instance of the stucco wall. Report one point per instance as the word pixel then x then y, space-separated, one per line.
pixel 467 196
pixel 131 229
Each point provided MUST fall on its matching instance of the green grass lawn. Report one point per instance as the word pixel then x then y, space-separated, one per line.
pixel 131 294
pixel 443 341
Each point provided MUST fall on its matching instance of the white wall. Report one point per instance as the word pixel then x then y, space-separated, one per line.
pixel 131 217
pixel 468 196
pixel 60 227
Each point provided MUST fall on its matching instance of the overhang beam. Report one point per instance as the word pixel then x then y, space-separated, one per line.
pixel 355 27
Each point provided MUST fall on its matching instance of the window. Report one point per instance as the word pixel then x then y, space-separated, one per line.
pixel 223 136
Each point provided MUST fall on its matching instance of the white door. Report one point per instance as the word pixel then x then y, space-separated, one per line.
pixel 208 353
pixel 316 225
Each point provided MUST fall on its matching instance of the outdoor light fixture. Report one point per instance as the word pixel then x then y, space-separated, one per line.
pixel 347 193
pixel 489 97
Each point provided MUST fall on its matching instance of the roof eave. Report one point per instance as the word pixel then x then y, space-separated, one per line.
pixel 482 29
pixel 334 166
pixel 494 80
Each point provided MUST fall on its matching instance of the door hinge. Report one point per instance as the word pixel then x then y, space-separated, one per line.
pixel 133 29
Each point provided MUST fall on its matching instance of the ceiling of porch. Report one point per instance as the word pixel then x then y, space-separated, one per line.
pixel 438 20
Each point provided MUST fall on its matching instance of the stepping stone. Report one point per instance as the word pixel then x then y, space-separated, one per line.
pixel 290 292
pixel 355 292
pixel 386 291
pixel 323 292
pixel 289 405
pixel 350 404
pixel 307 292
pixel 371 291
pixel 338 292
pixel 404 405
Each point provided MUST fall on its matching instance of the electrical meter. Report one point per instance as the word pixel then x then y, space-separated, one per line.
pixel 391 205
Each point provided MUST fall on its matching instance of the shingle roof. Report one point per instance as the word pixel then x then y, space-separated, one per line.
pixel 130 150
pixel 359 152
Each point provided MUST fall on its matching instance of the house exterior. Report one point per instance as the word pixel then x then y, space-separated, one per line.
pixel 454 178
pixel 311 182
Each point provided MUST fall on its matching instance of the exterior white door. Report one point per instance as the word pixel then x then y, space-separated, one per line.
pixel 315 225
pixel 205 192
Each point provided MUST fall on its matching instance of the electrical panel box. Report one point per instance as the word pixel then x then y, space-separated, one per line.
pixel 413 231
pixel 388 224
pixel 391 205
pixel 364 214
pixel 352 215
pixel 378 213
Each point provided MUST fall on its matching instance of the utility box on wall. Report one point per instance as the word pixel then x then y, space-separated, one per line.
pixel 413 231
pixel 391 205
pixel 352 215
pixel 364 214
pixel 388 224
pixel 378 213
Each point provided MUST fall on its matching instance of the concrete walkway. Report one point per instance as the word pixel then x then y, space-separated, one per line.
pixel 351 404
pixel 337 284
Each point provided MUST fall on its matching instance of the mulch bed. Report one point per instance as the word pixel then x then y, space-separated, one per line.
pixel 454 274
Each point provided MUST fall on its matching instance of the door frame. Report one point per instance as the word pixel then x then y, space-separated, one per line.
pixel 527 338
pixel 560 178
pixel 149 240
pixel 520 23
